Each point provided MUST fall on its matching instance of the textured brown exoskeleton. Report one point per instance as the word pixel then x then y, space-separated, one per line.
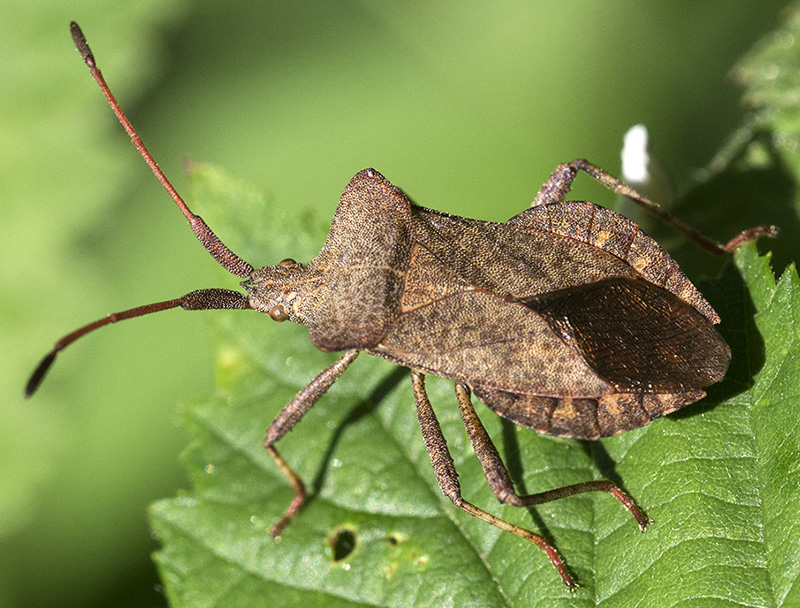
pixel 566 319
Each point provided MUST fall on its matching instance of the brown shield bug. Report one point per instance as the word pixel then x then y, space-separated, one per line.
pixel 566 319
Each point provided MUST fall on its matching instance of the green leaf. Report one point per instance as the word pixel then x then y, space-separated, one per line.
pixel 715 479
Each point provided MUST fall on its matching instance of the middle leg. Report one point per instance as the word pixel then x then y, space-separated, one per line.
pixel 500 481
pixel 446 475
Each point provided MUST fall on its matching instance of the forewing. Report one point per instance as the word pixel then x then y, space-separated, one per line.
pixel 606 348
pixel 510 260
pixel 483 340
pixel 607 231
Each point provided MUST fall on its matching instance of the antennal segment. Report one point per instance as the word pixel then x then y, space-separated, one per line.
pixel 202 299
pixel 226 258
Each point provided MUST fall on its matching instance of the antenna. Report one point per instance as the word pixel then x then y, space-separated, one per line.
pixel 226 258
pixel 203 299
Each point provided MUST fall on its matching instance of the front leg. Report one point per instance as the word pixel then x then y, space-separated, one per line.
pixel 291 415
pixel 446 475
pixel 558 185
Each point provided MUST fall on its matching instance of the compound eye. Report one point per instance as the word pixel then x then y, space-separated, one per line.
pixel 287 263
pixel 278 313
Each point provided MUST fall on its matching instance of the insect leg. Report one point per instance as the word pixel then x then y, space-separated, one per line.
pixel 446 475
pixel 500 481
pixel 291 415
pixel 555 190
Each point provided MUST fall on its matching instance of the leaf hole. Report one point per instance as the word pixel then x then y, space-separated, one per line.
pixel 395 539
pixel 343 543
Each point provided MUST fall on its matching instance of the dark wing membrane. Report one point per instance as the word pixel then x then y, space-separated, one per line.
pixel 636 335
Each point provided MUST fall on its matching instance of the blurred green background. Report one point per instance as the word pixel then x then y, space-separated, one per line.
pixel 467 106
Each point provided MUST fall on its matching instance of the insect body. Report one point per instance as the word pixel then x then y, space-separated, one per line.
pixel 566 319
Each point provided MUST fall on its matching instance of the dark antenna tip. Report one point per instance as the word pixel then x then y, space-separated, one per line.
pixel 80 42
pixel 39 373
